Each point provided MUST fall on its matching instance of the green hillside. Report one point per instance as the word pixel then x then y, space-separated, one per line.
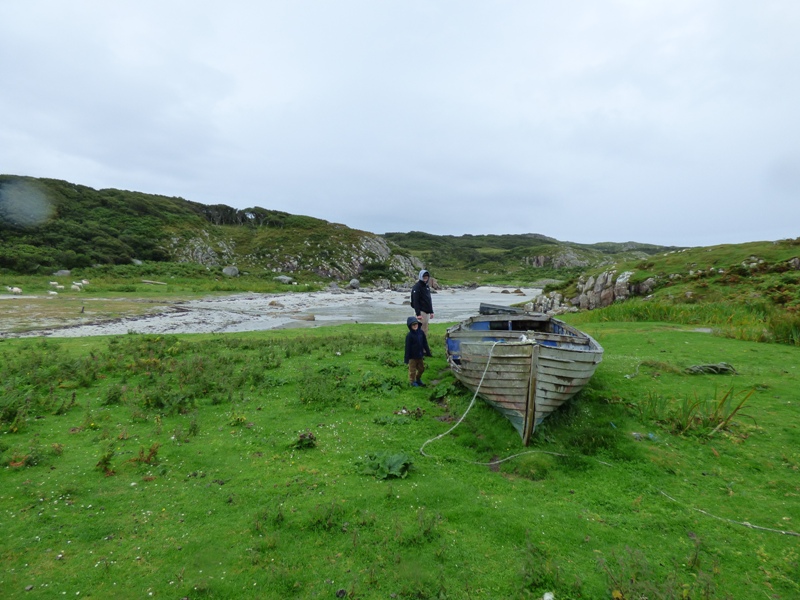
pixel 766 272
pixel 514 259
pixel 47 224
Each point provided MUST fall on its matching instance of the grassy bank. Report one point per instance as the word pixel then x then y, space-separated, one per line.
pixel 756 321
pixel 286 464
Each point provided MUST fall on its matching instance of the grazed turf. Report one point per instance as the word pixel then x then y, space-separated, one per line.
pixel 169 465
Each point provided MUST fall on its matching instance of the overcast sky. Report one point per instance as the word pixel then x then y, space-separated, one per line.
pixel 670 122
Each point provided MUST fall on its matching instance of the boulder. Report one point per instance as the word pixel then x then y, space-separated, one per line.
pixel 647 286
pixel 285 279
pixel 354 284
pixel 621 288
pixel 230 272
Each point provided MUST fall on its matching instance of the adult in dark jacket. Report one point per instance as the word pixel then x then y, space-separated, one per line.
pixel 421 300
pixel 416 349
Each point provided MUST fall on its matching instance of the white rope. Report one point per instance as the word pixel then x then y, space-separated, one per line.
pixel 743 523
pixel 471 404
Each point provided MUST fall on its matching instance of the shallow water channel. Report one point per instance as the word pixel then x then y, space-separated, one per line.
pixel 255 312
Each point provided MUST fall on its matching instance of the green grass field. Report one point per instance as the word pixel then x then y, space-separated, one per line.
pixel 287 464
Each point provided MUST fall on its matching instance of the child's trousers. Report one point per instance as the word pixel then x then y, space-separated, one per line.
pixel 416 366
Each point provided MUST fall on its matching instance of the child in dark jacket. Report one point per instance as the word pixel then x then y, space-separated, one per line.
pixel 416 348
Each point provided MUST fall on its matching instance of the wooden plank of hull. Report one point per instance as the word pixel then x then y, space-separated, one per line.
pixel 570 352
pixel 515 375
pixel 561 376
pixel 512 372
pixel 568 355
pixel 480 353
pixel 488 336
pixel 562 387
pixel 493 378
pixel 577 358
pixel 476 374
pixel 554 400
pixel 483 349
pixel 560 380
pixel 576 369
pixel 504 396
pixel 544 410
pixel 518 376
pixel 500 394
pixel 493 374
pixel 490 381
pixel 521 372
pixel 580 362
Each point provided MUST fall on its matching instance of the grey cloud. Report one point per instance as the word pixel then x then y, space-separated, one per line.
pixel 661 121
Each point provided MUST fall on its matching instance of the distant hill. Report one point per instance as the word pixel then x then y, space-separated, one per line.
pixel 515 258
pixel 48 224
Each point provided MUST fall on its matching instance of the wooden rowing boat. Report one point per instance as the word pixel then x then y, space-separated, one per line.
pixel 535 362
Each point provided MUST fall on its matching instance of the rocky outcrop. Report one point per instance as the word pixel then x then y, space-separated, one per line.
pixel 594 292
pixel 347 262
pixel 332 260
pixel 565 258
pixel 552 304
pixel 202 249
pixel 608 287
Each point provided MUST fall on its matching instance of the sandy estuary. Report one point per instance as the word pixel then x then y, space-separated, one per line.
pixel 256 312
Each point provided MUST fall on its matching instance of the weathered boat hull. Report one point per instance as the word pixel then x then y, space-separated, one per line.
pixel 535 363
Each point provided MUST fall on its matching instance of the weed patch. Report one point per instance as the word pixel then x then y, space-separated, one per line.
pixel 693 414
pixel 304 441
pixel 385 465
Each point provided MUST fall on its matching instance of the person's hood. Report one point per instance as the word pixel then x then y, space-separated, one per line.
pixel 423 273
pixel 411 320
